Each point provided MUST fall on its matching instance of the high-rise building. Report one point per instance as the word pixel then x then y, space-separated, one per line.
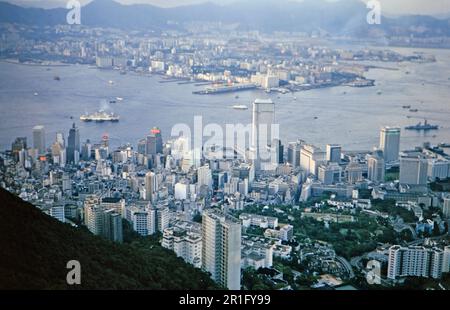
pixel 262 126
pixel 186 244
pixel 93 214
pixel 18 145
pixel 204 176
pixel 415 261
pixel 354 172
pixel 39 139
pixel 112 225
pixel 154 143
pixel 376 167
pixel 101 221
pixel 390 143
pixel 446 266
pixel 446 207
pixel 277 150
pixel 151 186
pixel 334 153
pixel 310 158
pixel 221 248
pixel 73 144
pixel 293 153
pixel 329 173
pixel 143 219
pixel 413 170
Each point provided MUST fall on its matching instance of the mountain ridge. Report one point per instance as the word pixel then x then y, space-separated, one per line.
pixel 336 18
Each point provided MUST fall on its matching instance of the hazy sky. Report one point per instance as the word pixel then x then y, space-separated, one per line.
pixel 398 7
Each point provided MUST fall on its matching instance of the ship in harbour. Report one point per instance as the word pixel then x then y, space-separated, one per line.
pixel 240 107
pixel 424 126
pixel 100 116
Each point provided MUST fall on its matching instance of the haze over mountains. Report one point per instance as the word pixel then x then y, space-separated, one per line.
pixel 335 18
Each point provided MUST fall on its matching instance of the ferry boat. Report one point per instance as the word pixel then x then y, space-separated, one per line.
pixel 240 107
pixel 100 116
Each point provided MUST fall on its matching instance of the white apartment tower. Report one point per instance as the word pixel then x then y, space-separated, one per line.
pixel 415 261
pixel 221 248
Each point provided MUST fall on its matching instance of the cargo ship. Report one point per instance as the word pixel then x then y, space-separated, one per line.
pixel 424 126
pixel 100 116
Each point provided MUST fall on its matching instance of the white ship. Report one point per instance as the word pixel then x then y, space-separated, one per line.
pixel 240 107
pixel 100 116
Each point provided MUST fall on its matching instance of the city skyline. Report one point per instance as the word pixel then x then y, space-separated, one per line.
pixel 258 147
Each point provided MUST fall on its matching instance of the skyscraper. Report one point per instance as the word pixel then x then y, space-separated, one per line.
pixel 18 145
pixel 73 145
pixel 293 153
pixel 221 248
pixel 376 167
pixel 262 125
pixel 334 153
pixel 150 186
pixel 204 176
pixel 39 139
pixel 413 170
pixel 154 142
pixel 390 143
pixel 446 207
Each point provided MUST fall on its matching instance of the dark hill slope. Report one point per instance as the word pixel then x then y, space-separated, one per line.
pixel 36 248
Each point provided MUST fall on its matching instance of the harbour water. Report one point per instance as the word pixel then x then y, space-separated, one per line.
pixel 29 95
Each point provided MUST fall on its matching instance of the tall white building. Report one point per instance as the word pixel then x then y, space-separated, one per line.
pixel 262 126
pixel 446 207
pixel 204 176
pixel 151 186
pixel 221 248
pixel 413 170
pixel 415 261
pixel 446 267
pixel 186 244
pixel 390 143
pixel 93 214
pixel 310 159
pixel 376 167
pixel 143 220
pixel 39 139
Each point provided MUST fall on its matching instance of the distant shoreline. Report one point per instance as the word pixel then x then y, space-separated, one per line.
pixel 14 62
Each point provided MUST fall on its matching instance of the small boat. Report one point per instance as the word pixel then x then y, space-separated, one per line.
pixel 406 107
pixel 240 107
pixel 119 98
pixel 379 92
pixel 36 94
pixel 112 101
pixel 236 97
pixel 110 82
pixel 414 110
pixel 57 78
pixel 295 98
pixel 315 117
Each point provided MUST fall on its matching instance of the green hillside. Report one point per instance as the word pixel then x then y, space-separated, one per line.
pixel 36 248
